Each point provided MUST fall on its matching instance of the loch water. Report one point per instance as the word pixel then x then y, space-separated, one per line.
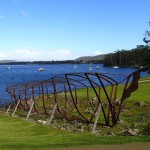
pixel 17 74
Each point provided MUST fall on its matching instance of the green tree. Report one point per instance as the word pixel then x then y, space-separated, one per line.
pixel 146 38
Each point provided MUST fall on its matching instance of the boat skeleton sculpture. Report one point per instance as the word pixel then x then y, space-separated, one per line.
pixel 86 97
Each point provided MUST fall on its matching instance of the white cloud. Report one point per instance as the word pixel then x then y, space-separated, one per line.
pixel 38 55
pixel 97 53
pixel 23 13
pixel 2 55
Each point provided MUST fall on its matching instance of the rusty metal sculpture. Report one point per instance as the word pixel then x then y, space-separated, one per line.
pixel 79 96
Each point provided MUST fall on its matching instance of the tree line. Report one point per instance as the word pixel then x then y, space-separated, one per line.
pixel 139 56
pixel 38 62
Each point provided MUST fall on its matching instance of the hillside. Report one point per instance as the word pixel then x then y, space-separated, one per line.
pixel 7 61
pixel 86 59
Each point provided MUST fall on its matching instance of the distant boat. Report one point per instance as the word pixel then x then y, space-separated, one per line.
pixel 90 67
pixel 8 67
pixel 115 67
pixel 141 67
pixel 41 69
pixel 75 66
pixel 97 67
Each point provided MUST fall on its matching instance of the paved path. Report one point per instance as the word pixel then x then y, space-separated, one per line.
pixel 132 146
pixel 144 81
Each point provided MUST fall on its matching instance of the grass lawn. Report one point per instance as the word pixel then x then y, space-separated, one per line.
pixel 17 133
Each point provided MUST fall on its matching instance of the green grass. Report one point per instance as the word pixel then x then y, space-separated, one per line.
pixel 142 93
pixel 17 133
pixel 145 78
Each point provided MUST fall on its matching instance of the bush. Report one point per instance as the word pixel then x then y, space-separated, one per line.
pixel 146 129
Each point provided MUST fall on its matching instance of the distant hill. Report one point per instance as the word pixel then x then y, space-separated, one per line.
pixel 7 61
pixel 85 59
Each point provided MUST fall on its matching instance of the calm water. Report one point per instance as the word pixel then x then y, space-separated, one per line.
pixel 15 74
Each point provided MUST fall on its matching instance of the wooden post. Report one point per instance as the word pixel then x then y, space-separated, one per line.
pixel 32 104
pixel 52 115
pixel 7 112
pixel 16 108
pixel 96 118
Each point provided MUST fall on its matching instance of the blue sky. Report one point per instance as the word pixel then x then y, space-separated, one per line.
pixel 66 29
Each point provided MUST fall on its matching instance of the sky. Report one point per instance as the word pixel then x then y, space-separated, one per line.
pixel 46 30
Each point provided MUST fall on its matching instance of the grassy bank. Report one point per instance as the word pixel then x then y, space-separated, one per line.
pixel 17 133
